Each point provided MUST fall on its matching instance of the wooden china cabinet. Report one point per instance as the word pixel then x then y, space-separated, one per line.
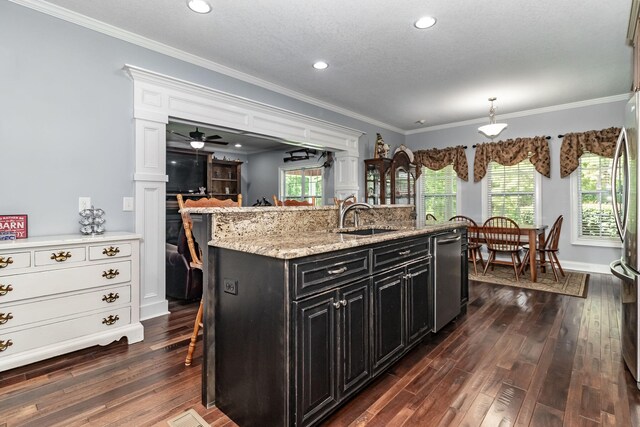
pixel 223 178
pixel 391 181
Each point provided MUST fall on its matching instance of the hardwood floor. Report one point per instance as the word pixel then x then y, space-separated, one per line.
pixel 517 357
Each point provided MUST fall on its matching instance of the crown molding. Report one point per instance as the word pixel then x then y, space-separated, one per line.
pixel 526 113
pixel 119 33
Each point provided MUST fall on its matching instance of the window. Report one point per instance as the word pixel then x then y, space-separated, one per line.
pixel 440 190
pixel 302 184
pixel 591 193
pixel 512 191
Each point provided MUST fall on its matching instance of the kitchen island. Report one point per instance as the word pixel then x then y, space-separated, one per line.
pixel 297 323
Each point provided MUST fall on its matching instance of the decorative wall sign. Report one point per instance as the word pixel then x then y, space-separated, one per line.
pixel 15 225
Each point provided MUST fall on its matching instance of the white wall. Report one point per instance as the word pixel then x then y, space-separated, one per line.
pixel 556 198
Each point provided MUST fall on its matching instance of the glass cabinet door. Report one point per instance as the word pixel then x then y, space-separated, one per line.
pixel 387 188
pixel 373 186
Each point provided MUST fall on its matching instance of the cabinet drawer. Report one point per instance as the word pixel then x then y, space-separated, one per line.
pixel 13 261
pixel 19 314
pixel 321 272
pixel 17 287
pixel 115 250
pixel 60 256
pixel 398 253
pixel 54 333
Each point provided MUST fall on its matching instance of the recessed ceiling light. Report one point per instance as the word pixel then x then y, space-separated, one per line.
pixel 238 145
pixel 425 22
pixel 199 6
pixel 320 65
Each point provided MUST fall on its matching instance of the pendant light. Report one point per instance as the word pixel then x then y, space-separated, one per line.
pixel 493 129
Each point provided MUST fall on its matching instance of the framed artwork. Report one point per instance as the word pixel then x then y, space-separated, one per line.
pixel 13 227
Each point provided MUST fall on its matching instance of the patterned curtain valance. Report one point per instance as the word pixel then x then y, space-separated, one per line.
pixel 511 152
pixel 600 142
pixel 438 158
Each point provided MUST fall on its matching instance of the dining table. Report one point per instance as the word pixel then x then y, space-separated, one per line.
pixel 536 236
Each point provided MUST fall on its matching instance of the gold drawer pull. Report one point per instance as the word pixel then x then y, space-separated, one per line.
pixel 111 297
pixel 337 270
pixel 5 289
pixel 5 345
pixel 110 274
pixel 5 262
pixel 61 256
pixel 110 320
pixel 111 251
pixel 4 318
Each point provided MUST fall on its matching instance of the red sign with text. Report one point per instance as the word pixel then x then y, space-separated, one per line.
pixel 13 225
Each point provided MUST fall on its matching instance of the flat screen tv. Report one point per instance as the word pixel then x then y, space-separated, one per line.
pixel 186 173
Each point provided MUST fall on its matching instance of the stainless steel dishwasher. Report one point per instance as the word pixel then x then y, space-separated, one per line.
pixel 447 278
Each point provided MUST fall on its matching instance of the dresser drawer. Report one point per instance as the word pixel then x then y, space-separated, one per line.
pixel 13 261
pixel 116 250
pixel 398 253
pixel 314 274
pixel 57 332
pixel 22 286
pixel 60 256
pixel 24 313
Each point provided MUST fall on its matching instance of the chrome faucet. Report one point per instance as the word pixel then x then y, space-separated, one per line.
pixel 344 209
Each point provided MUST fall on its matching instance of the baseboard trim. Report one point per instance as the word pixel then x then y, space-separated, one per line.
pixel 155 309
pixel 585 267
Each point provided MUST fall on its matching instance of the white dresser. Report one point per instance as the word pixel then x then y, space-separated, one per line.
pixel 62 293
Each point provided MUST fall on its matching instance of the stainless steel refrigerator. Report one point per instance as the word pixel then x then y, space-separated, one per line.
pixel 624 189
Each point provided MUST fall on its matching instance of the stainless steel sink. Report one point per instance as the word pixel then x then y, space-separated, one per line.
pixel 367 231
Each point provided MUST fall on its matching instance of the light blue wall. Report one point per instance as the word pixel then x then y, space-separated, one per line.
pixel 556 196
pixel 66 127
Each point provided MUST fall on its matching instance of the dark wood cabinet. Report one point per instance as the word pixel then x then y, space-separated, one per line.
pixel 224 178
pixel 391 181
pixel 388 318
pixel 419 313
pixel 377 182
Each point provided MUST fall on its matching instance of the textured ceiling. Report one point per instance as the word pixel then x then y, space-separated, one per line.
pixel 530 54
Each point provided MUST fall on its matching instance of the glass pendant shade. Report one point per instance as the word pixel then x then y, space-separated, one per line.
pixel 493 129
pixel 197 144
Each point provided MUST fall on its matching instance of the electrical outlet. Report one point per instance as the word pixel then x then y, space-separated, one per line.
pixel 84 203
pixel 231 286
pixel 127 204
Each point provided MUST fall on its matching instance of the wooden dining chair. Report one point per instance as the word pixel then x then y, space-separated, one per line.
pixel 548 253
pixel 502 235
pixel 196 257
pixel 277 202
pixel 430 217
pixel 474 246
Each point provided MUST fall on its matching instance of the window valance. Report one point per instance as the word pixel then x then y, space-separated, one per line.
pixel 438 158
pixel 511 152
pixel 574 145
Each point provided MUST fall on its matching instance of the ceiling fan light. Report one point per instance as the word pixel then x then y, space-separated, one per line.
pixel 492 130
pixel 199 6
pixel 197 144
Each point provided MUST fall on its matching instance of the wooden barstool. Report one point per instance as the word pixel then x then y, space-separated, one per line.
pixel 197 257
pixel 277 202
pixel 474 246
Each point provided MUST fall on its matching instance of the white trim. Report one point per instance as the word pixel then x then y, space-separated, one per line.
pixel 110 30
pixel 526 113
pixel 586 267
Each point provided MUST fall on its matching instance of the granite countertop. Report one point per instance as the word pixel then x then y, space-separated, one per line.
pixel 285 246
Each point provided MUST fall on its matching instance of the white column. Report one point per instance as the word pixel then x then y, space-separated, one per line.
pixel 346 174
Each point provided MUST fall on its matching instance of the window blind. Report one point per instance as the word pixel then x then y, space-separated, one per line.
pixel 511 192
pixel 594 198
pixel 440 188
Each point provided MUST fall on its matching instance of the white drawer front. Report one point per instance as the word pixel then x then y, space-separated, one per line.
pixel 54 333
pixel 19 287
pixel 13 261
pixel 19 314
pixel 60 256
pixel 115 250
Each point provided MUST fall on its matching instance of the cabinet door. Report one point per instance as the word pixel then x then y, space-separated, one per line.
pixel 353 353
pixel 388 318
pixel 316 391
pixel 418 300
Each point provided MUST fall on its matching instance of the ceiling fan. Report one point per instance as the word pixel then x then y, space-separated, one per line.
pixel 197 138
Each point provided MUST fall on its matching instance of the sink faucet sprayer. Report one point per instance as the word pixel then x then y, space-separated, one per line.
pixel 344 209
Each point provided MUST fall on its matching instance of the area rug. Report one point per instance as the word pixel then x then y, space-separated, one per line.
pixel 187 419
pixel 573 283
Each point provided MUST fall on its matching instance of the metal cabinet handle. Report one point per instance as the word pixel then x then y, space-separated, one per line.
pixel 4 318
pixel 407 252
pixel 5 345
pixel 5 262
pixel 5 289
pixel 336 305
pixel 110 320
pixel 338 270
pixel 110 274
pixel 61 256
pixel 111 251
pixel 111 297
pixel 343 302
pixel 408 276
